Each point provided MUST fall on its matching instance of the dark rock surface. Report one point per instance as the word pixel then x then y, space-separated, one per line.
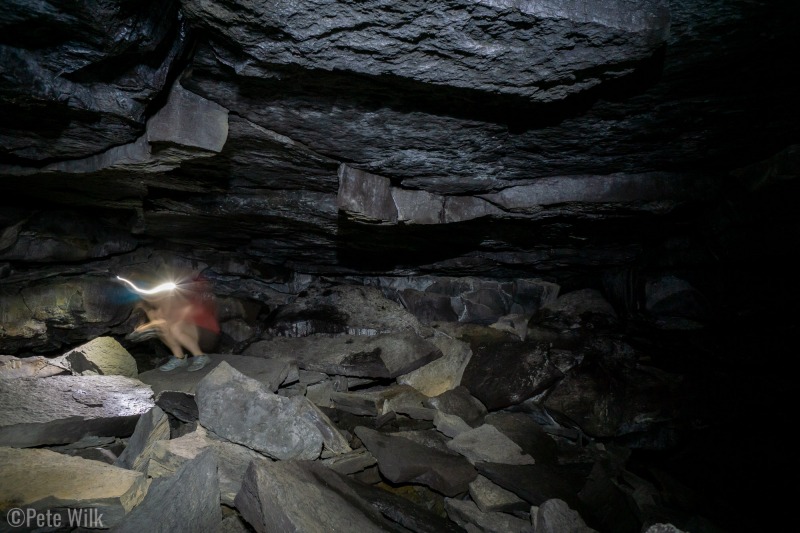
pixel 190 497
pixel 470 161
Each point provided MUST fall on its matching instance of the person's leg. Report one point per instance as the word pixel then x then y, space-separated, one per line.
pixel 188 335
pixel 166 335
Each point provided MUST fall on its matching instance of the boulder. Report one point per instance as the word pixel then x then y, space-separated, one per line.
pixel 303 496
pixel 403 461
pixel 189 498
pixel 490 497
pixel 30 367
pixel 282 428
pixel 467 515
pixel 555 516
pixel 442 374
pixel 461 403
pixel 46 480
pixel 152 427
pixel 103 355
pixel 62 409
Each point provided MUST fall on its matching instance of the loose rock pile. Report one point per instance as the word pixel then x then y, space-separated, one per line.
pixel 351 413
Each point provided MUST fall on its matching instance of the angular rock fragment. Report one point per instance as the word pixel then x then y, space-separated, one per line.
pixel 181 405
pixel 350 462
pixel 62 409
pixel 103 355
pixel 403 461
pixel 303 496
pixel 282 428
pixel 168 456
pixel 152 426
pixel 442 374
pixel 536 483
pixel 461 403
pixel 555 516
pixel 450 425
pixel 42 480
pixel 467 515
pixel 188 498
pixel 490 497
pixel 487 444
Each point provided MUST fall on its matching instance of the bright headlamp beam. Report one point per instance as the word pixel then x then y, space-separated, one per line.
pixel 168 286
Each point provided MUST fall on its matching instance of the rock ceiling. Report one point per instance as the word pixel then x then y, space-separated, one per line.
pixel 484 137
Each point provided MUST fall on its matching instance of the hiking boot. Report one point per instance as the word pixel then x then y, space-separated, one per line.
pixel 139 335
pixel 173 363
pixel 198 362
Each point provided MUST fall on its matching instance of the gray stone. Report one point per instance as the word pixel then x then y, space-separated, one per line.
pixel 490 497
pixel 460 402
pixel 442 374
pixel 487 444
pixel 465 513
pixel 42 480
pixel 152 427
pixel 365 196
pixel 181 405
pixel 263 421
pixel 403 461
pixel 507 373
pixel 267 371
pixel 62 409
pixel 103 355
pixel 526 433
pixel 30 367
pixel 555 516
pixel 450 425
pixel 430 438
pixel 168 456
pixel 350 462
pixel 303 496
pixel 536 483
pixel 380 356
pixel 189 497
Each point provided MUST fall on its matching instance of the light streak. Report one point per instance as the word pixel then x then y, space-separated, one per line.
pixel 168 286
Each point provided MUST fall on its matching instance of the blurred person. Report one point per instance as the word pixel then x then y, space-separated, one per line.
pixel 183 316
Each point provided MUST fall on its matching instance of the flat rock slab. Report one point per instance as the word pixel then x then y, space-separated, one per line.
pixel 267 371
pixel 62 409
pixel 42 480
pixel 378 356
pixel 490 497
pixel 487 444
pixel 304 496
pixel 403 461
pixel 529 435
